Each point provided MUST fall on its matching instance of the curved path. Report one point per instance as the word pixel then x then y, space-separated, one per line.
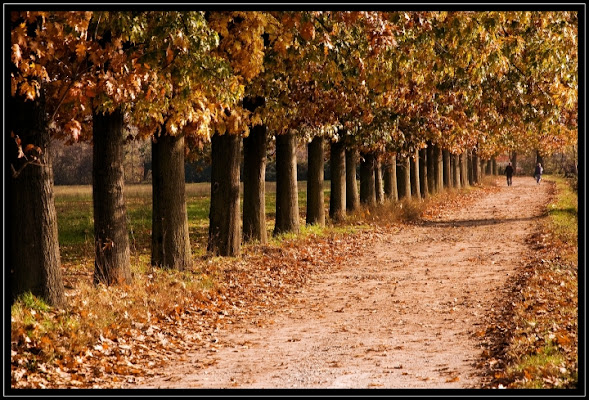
pixel 410 314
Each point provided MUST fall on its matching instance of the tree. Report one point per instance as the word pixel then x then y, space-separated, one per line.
pixel 287 203
pixel 315 196
pixel 32 251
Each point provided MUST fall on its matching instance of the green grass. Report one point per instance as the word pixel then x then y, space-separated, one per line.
pixel 563 212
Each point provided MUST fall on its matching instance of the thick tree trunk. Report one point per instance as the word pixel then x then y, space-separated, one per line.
pixel 415 185
pixel 287 196
pixel 224 217
pixel 404 177
pixel 390 179
pixel 112 263
pixel 378 181
pixel 338 197
pixel 31 244
pixel 170 243
pixel 494 166
pixel 352 194
pixel 367 179
pixel 488 167
pixel 539 158
pixel 423 173
pixel 438 169
pixel 254 185
pixel 456 176
pixel 315 196
pixel 447 169
pixel 464 179
pixel 429 161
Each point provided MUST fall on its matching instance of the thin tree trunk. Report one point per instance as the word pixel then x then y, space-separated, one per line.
pixel 476 167
pixel 464 179
pixel 338 198
pixel 423 173
pixel 224 215
pixel 429 161
pixel 32 249
pixel 390 179
pixel 315 196
pixel 170 243
pixel 287 196
pixel 494 166
pixel 367 179
pixel 352 194
pixel 470 166
pixel 438 169
pixel 447 169
pixel 378 181
pixel 415 185
pixel 456 164
pixel 254 185
pixel 404 177
pixel 112 262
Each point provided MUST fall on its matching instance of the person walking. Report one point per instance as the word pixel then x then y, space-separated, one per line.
pixel 509 174
pixel 538 173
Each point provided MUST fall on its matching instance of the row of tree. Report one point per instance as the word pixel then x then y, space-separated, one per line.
pixel 394 87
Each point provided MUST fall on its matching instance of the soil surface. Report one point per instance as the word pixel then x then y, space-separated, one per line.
pixel 410 313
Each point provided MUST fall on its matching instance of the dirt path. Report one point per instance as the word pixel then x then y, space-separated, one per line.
pixel 404 316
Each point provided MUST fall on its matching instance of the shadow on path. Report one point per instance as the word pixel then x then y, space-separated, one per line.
pixel 473 222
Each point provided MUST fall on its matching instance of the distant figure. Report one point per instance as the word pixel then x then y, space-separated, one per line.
pixel 509 173
pixel 538 173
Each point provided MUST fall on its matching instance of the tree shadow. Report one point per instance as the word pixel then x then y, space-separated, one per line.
pixel 473 222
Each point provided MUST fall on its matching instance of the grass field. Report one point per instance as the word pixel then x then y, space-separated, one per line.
pixel 76 223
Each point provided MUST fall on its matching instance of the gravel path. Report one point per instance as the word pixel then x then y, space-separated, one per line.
pixel 408 314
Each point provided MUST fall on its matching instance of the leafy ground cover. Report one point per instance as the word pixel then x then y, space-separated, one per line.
pixel 535 336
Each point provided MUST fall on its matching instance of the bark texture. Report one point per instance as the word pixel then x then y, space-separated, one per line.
pixel 170 243
pixel 404 177
pixel 415 184
pixel 287 197
pixel 224 216
pixel 423 173
pixel 390 179
pixel 32 249
pixel 112 261
pixel 352 193
pixel 315 196
pixel 338 197
pixel 367 179
pixel 254 185
pixel 447 169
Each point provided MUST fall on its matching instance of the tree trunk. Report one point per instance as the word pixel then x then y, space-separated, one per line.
pixel 404 177
pixel 378 181
pixel 170 243
pixel 287 196
pixel 352 194
pixel 464 179
pixel 390 179
pixel 423 173
pixel 254 185
pixel 367 179
pixel 447 169
pixel 429 161
pixel 415 186
pixel 31 244
pixel 224 218
pixel 339 193
pixel 494 166
pixel 315 196
pixel 438 169
pixel 470 167
pixel 112 263
pixel 456 176
pixel 476 167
